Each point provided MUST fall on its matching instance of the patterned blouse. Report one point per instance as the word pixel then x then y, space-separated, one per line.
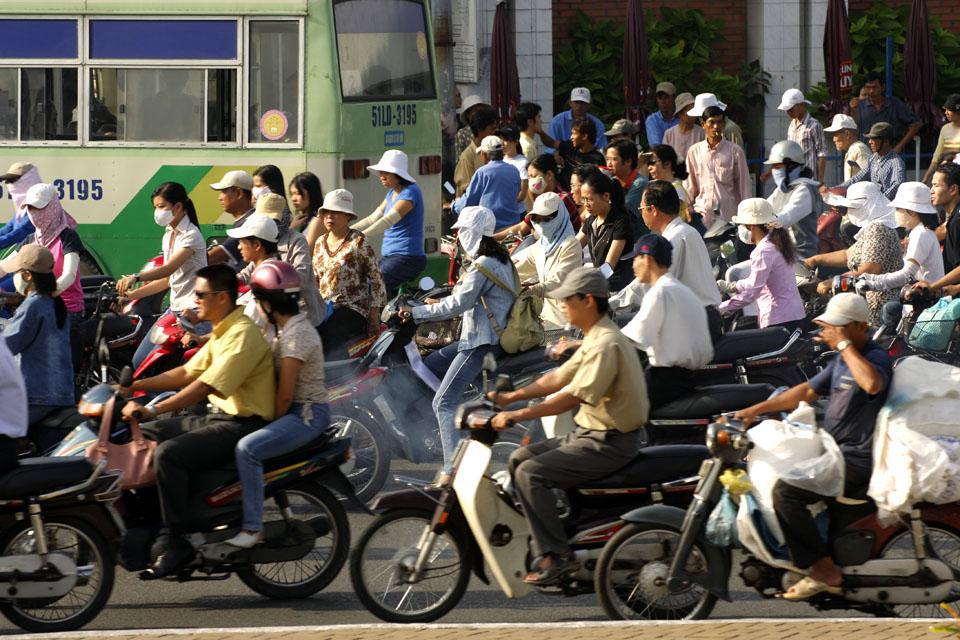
pixel 880 244
pixel 348 273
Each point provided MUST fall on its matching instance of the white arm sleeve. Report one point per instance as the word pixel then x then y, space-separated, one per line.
pixel 361 225
pixel 798 207
pixel 896 279
pixel 383 223
pixel 71 269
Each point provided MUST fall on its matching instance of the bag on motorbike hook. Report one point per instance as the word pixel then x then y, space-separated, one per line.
pixel 722 523
pixel 524 328
pixel 134 460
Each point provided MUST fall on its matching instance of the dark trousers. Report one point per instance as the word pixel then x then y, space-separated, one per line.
pixel 8 454
pixel 561 463
pixel 192 444
pixel 399 269
pixel 666 384
pixel 714 323
pixel 800 532
pixel 343 326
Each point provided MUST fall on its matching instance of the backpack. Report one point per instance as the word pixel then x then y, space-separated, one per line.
pixel 524 328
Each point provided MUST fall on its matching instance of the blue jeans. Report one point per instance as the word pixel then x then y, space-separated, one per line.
pixel 890 315
pixel 398 269
pixel 283 435
pixel 457 370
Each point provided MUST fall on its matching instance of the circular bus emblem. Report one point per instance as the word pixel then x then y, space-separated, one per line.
pixel 273 125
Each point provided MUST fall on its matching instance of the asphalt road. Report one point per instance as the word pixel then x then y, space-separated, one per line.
pixel 229 603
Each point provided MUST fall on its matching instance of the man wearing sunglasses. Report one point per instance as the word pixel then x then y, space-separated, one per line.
pixel 234 373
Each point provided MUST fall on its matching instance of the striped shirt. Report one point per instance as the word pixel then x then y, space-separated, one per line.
pixel 808 133
pixel 886 172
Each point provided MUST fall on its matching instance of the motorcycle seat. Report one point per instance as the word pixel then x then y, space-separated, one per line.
pixel 337 372
pixel 33 476
pixel 520 361
pixel 743 344
pixel 301 454
pixel 654 465
pixel 707 402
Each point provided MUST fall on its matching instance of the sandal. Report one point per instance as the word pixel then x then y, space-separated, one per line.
pixel 560 567
pixel 808 587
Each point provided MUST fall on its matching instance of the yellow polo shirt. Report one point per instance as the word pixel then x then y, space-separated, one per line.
pixel 605 374
pixel 238 363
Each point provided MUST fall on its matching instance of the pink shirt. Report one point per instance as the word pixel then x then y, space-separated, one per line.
pixel 772 284
pixel 681 142
pixel 718 181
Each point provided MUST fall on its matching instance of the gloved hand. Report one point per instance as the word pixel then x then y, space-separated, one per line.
pixel 727 287
pixel 864 284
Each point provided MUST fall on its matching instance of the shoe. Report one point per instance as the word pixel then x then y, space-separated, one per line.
pixel 560 567
pixel 808 587
pixel 245 539
pixel 178 553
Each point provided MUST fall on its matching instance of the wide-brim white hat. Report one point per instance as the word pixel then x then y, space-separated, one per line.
pixel 754 211
pixel 394 161
pixel 913 196
pixel 702 102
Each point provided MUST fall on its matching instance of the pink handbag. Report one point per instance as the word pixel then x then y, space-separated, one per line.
pixel 134 459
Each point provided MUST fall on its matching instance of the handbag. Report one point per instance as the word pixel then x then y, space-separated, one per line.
pixel 134 459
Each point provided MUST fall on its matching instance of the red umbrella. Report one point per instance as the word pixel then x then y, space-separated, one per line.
pixel 920 70
pixel 504 79
pixel 636 68
pixel 837 58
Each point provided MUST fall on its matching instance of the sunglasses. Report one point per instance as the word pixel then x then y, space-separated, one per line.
pixel 542 219
pixel 200 295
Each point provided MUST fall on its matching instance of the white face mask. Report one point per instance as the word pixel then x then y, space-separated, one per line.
pixel 537 185
pixel 162 217
pixel 20 284
pixel 903 219
pixel 743 232
pixel 260 191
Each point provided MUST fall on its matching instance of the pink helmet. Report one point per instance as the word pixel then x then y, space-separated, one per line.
pixel 275 281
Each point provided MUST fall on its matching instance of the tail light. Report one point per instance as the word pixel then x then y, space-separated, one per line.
pixel 355 169
pixel 430 165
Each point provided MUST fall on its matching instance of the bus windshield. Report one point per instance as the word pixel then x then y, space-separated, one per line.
pixel 383 50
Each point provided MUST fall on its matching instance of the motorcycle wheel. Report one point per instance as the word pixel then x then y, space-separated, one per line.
pixel 384 555
pixel 86 546
pixel 367 470
pixel 631 571
pixel 304 577
pixel 945 543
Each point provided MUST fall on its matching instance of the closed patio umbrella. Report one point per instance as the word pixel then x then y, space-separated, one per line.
pixel 636 67
pixel 837 58
pixel 919 67
pixel 504 79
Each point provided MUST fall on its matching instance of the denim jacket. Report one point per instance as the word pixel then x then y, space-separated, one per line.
pixel 15 231
pixel 44 350
pixel 465 299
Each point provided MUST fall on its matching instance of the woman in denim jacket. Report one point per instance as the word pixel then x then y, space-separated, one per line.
pixel 458 364
pixel 39 332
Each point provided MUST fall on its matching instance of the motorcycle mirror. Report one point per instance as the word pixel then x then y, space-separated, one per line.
pixel 126 376
pixel 427 283
pixel 103 352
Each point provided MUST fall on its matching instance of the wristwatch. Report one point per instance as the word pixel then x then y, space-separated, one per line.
pixel 843 344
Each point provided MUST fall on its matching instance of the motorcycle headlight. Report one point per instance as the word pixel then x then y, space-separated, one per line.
pixel 157 336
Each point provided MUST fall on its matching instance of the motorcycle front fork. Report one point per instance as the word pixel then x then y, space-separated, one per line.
pixel 39 533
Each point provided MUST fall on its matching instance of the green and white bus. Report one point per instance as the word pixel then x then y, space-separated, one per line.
pixel 110 98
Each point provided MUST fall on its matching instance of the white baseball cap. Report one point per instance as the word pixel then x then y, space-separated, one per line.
pixel 339 200
pixel 840 122
pixel 754 211
pixel 843 309
pixel 39 195
pixel 913 196
pixel 702 102
pixel 256 226
pixel 546 204
pixel 791 98
pixel 580 94
pixel 393 161
pixel 238 179
pixel 478 218
pixel 490 143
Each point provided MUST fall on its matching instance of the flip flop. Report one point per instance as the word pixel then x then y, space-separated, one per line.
pixel 560 567
pixel 808 587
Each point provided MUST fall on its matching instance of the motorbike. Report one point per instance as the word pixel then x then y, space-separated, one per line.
pixel 413 563
pixel 719 239
pixel 307 535
pixel 59 531
pixel 660 565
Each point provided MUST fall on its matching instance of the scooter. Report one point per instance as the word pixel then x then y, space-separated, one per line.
pixel 59 531
pixel 414 562
pixel 307 535
pixel 660 566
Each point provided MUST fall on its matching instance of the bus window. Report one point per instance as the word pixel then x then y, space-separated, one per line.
pixel 161 105
pixel 274 81
pixel 8 104
pixel 44 100
pixel 383 50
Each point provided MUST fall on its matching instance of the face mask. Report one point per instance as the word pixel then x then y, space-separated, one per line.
pixel 162 217
pixel 538 185
pixel 20 284
pixel 260 191
pixel 903 219
pixel 744 234
pixel 780 178
pixel 470 241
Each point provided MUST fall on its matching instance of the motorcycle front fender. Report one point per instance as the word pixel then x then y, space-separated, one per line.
pixel 716 580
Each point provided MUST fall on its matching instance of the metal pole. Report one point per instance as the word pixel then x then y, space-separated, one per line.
pixel 889 67
pixel 916 147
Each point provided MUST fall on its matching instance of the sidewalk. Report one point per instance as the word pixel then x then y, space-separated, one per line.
pixel 774 629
